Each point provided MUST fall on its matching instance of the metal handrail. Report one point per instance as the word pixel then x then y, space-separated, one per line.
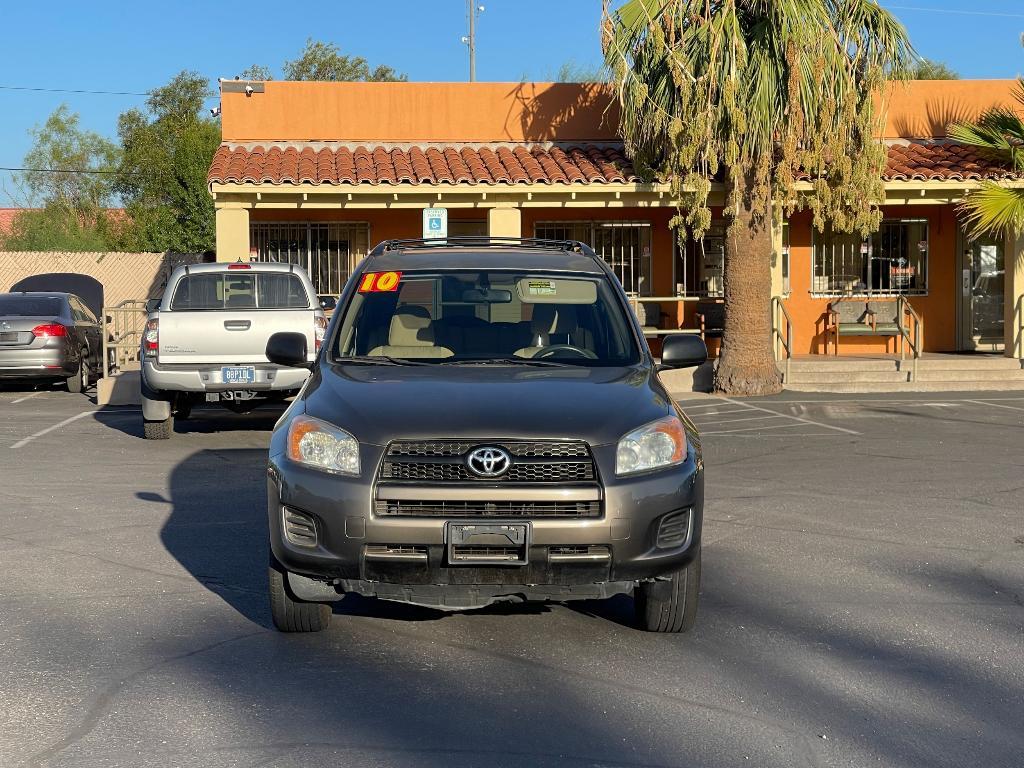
pixel 1018 343
pixel 122 337
pixel 904 309
pixel 777 337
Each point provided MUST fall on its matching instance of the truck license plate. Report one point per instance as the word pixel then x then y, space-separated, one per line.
pixel 238 374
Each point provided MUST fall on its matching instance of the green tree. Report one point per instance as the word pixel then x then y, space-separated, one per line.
pixel 324 61
pixel 993 208
pixel 68 189
pixel 749 93
pixel 167 151
pixel 927 69
pixel 257 72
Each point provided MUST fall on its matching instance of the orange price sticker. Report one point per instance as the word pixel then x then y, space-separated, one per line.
pixel 380 282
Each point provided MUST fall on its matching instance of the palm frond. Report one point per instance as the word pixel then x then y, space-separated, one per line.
pixel 993 209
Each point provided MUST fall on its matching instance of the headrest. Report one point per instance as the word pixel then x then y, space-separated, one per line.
pixel 554 318
pixel 411 327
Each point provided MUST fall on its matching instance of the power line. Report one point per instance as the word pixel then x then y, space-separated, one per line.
pixel 72 90
pixel 954 10
pixel 56 170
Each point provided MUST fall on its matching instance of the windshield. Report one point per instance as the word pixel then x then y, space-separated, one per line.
pixel 31 306
pixel 476 317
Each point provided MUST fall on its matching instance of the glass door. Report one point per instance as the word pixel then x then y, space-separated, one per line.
pixel 982 277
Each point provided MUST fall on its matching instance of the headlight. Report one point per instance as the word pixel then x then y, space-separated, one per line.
pixel 661 443
pixel 318 444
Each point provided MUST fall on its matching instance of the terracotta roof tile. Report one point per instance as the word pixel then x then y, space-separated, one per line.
pixel 522 164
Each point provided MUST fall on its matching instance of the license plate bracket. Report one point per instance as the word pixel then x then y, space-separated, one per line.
pixel 238 374
pixel 487 543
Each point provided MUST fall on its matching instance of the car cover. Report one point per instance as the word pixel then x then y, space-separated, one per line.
pixel 85 287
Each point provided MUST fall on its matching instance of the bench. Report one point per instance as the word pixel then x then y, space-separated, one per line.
pixel 863 317
pixel 710 317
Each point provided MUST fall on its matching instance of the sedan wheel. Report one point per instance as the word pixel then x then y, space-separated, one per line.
pixel 79 382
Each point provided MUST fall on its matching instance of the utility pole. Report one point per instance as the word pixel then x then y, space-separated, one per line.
pixel 474 10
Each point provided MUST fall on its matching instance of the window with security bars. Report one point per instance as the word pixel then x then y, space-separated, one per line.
pixel 624 245
pixel 700 264
pixel 328 251
pixel 893 260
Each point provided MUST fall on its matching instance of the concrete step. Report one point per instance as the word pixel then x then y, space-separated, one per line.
pixel 863 387
pixel 825 377
pixel 957 374
pixel 965 363
pixel 839 365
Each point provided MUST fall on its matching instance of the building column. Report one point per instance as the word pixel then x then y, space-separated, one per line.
pixel 505 222
pixel 1013 294
pixel 232 234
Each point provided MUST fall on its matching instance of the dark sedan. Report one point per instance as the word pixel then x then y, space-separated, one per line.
pixel 49 336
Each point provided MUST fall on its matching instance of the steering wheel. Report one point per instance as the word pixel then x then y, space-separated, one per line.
pixel 558 349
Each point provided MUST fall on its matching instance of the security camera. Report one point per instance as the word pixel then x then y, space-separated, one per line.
pixel 215 111
pixel 248 90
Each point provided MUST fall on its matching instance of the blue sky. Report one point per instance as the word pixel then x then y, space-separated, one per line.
pixel 137 45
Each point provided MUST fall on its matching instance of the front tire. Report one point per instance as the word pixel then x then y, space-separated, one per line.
pixel 669 606
pixel 288 612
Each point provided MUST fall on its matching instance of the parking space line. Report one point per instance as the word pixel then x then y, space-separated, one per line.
pixel 40 433
pixel 997 405
pixel 26 397
pixel 746 418
pixel 795 418
pixel 753 429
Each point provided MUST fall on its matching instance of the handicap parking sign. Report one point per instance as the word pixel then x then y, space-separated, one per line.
pixel 435 222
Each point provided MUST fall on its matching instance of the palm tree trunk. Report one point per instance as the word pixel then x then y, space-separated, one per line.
pixel 746 365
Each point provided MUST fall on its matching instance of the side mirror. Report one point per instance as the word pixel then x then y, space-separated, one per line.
pixel 683 350
pixel 288 348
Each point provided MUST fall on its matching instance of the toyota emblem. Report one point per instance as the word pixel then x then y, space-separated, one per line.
pixel 489 462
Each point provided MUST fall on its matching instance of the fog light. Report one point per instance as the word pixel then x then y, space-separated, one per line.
pixel 299 528
pixel 673 529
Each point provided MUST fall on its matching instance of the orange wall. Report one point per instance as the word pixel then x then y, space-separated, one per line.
pixel 937 309
pixel 384 224
pixel 518 112
pixel 419 112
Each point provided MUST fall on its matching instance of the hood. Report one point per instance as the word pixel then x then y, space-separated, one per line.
pixel 378 404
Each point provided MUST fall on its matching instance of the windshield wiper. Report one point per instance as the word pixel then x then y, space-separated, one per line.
pixel 509 361
pixel 378 360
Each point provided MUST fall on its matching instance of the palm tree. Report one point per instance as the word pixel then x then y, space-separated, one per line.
pixel 995 209
pixel 752 94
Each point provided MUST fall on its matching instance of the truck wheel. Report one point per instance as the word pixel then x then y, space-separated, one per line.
pixel 158 430
pixel 671 605
pixel 289 613
pixel 79 382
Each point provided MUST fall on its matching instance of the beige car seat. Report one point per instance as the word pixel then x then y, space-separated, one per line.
pixel 556 324
pixel 411 335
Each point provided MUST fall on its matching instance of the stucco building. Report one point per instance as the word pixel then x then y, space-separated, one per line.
pixel 316 173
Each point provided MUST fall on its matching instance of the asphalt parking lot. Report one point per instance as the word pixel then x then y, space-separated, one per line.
pixel 863 604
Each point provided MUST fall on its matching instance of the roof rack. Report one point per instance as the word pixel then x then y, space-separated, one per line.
pixel 484 241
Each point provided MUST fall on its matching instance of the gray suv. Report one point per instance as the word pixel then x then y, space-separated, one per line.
pixel 483 423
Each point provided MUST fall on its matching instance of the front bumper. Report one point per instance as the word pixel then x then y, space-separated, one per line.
pixel 209 378
pixel 346 556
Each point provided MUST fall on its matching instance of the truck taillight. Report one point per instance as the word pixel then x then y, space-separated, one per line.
pixel 49 330
pixel 319 330
pixel 151 339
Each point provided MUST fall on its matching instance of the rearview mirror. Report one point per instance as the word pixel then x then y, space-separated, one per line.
pixel 683 350
pixel 288 348
pixel 490 296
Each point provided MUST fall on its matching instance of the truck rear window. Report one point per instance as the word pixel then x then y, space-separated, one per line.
pixel 259 290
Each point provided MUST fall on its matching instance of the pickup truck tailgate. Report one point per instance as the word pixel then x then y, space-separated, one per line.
pixel 225 336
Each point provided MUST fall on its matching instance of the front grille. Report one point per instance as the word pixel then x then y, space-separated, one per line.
pixel 404 508
pixel 511 554
pixel 533 461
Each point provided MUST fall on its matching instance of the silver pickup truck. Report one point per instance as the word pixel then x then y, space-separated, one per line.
pixel 207 340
